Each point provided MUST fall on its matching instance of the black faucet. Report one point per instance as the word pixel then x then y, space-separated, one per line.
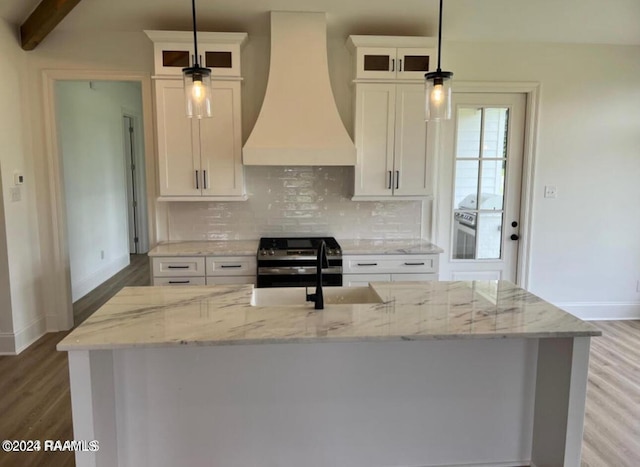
pixel 321 262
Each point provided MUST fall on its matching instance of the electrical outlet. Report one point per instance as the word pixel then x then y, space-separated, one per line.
pixel 101 254
pixel 550 191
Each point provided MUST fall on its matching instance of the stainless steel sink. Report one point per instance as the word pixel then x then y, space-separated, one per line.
pixel 296 296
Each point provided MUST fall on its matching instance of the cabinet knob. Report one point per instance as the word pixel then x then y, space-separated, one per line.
pixel 515 237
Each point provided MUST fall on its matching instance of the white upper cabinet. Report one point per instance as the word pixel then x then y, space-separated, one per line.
pixel 199 158
pixel 393 152
pixel 173 51
pixel 392 57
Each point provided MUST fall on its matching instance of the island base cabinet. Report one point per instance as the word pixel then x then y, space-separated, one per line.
pixel 476 402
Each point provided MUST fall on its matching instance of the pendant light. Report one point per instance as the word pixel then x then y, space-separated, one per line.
pixel 438 87
pixel 197 81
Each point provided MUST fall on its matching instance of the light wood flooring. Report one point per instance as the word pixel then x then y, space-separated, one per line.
pixel 35 402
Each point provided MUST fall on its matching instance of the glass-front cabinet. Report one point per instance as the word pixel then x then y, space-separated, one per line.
pixel 391 57
pixel 219 51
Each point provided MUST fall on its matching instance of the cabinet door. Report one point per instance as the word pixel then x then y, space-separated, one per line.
pixel 413 63
pixel 223 59
pixel 411 169
pixel 172 57
pixel 221 143
pixel 374 134
pixel 178 148
pixel 376 63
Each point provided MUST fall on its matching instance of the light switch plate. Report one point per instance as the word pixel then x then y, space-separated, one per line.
pixel 550 191
pixel 16 194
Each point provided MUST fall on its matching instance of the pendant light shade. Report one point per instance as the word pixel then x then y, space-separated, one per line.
pixel 438 87
pixel 197 81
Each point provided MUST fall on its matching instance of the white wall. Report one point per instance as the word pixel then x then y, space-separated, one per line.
pixel 91 140
pixel 585 249
pixel 24 320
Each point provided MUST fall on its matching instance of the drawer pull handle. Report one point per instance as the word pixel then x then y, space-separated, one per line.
pixel 367 264
pixel 231 266
pixel 179 282
pixel 414 264
pixel 177 267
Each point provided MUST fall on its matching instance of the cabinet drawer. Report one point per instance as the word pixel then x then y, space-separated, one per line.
pixel 222 280
pixel 179 281
pixel 231 266
pixel 390 264
pixel 413 277
pixel 178 266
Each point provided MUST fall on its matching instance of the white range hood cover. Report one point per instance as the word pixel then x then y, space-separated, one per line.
pixel 299 122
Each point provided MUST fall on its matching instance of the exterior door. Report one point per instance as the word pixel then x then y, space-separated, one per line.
pixel 481 174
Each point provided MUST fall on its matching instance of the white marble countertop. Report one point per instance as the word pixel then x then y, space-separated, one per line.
pixel 223 315
pixel 250 247
pixel 204 248
pixel 388 247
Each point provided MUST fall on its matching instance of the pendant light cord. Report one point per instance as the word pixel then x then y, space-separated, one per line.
pixel 195 36
pixel 439 35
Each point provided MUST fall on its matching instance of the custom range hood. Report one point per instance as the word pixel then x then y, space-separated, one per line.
pixel 299 123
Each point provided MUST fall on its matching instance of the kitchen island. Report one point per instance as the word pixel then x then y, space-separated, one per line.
pixel 403 374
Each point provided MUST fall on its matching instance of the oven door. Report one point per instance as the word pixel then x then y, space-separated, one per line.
pixel 297 276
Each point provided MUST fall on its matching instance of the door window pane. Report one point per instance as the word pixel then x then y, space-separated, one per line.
pixel 466 184
pixel 469 132
pixel 493 176
pixel 494 138
pixel 489 231
pixel 464 235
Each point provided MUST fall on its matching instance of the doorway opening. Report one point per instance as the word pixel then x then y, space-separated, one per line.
pixel 103 177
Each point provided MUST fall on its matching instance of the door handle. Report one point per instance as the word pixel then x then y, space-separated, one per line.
pixel 414 264
pixel 400 65
pixel 367 264
pixel 231 266
pixel 390 182
pixel 514 237
pixel 177 267
pixel 397 179
pixel 179 282
pixel 197 180
pixel 393 64
pixel 204 179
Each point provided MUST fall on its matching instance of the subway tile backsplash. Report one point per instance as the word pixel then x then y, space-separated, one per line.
pixel 295 200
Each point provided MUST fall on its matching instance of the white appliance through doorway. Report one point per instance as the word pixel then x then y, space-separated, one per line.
pixel 480 186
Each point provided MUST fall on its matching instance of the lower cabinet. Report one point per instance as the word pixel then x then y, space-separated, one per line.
pixel 201 270
pixel 360 270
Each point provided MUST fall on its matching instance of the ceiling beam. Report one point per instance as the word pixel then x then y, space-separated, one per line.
pixel 43 20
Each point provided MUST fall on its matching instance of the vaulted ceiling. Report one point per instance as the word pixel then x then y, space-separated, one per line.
pixel 573 21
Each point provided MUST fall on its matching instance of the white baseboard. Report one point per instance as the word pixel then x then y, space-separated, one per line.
pixel 7 343
pixel 600 311
pixel 14 343
pixel 30 334
pixel 86 285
